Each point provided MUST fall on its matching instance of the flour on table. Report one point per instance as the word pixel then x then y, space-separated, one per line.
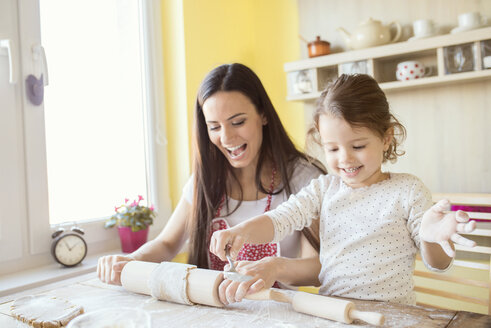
pixel 117 317
pixel 44 311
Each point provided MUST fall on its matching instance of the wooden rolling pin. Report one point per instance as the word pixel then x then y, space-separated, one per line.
pixel 202 288
pixel 320 306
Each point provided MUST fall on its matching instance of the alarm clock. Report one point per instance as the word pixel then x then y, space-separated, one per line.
pixel 68 249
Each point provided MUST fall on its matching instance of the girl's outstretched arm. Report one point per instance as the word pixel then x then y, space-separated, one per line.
pixel 439 229
pixel 257 230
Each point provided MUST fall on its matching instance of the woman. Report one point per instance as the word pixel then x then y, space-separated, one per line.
pixel 244 164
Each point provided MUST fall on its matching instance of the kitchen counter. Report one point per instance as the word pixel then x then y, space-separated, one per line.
pixel 90 293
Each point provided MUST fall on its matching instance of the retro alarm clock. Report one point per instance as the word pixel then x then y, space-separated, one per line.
pixel 68 249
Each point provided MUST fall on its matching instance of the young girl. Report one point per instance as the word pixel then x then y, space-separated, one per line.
pixel 371 222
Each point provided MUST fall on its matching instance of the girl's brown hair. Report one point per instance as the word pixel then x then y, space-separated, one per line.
pixel 359 100
pixel 211 169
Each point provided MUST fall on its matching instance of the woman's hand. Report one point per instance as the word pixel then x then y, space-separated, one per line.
pixel 440 226
pixel 263 273
pixel 109 268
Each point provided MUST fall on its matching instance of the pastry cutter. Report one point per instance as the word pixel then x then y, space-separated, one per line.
pixel 232 274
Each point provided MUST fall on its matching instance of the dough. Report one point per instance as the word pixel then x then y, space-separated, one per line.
pixel 42 311
pixel 169 282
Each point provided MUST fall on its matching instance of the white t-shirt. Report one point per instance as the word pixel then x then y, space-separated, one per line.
pixel 302 175
pixel 369 236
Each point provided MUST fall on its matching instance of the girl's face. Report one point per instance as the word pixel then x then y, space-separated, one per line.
pixel 235 127
pixel 355 155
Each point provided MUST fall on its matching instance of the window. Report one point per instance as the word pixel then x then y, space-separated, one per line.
pixel 92 142
pixel 94 109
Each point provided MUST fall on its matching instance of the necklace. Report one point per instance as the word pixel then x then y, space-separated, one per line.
pixel 268 202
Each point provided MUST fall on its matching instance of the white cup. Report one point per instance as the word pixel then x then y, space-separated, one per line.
pixel 423 27
pixel 411 70
pixel 470 20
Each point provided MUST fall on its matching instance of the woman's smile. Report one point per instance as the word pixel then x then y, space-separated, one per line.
pixel 236 152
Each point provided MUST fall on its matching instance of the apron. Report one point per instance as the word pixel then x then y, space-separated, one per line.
pixel 248 252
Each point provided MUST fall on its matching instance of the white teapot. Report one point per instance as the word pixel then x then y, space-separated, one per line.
pixel 370 33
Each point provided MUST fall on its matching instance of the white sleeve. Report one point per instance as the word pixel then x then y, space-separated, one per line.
pixel 420 201
pixel 299 210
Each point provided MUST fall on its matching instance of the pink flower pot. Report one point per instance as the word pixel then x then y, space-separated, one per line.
pixel 131 241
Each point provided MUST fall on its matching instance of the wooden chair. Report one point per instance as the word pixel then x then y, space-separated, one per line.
pixel 458 288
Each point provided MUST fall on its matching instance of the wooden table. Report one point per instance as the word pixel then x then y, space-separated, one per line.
pixel 93 295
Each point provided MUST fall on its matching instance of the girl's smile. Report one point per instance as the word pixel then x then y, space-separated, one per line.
pixel 355 154
pixel 352 171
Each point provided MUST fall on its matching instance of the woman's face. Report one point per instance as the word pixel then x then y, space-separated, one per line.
pixel 235 127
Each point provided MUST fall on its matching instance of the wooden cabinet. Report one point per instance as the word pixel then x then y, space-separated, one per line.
pixel 452 58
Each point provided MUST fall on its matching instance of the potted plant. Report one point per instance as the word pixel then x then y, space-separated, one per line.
pixel 132 220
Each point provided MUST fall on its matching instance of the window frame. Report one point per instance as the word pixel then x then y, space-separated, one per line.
pixel 38 227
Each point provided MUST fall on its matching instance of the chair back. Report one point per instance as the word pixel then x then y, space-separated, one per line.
pixel 467 285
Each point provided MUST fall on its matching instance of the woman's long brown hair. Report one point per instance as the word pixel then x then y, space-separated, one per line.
pixel 211 169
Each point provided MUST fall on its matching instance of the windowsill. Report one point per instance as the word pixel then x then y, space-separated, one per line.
pixel 18 282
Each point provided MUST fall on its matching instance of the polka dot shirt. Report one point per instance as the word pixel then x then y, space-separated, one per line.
pixel 369 236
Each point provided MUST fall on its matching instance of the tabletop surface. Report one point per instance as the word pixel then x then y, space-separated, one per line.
pixel 93 295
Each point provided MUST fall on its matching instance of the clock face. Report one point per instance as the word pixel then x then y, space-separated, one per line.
pixel 69 249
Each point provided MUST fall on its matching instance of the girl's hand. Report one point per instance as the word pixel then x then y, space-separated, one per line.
pixel 263 273
pixel 222 239
pixel 109 268
pixel 440 226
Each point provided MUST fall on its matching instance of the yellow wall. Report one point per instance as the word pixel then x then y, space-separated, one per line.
pixel 200 35
pixel 175 96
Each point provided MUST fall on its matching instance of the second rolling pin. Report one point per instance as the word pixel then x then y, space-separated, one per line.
pixel 320 306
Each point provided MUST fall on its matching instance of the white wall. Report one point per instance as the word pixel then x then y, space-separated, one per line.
pixel 448 139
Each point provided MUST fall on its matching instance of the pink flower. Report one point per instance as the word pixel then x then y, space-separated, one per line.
pixel 135 203
pixel 116 208
pixel 151 208
pixel 126 200
pixel 140 197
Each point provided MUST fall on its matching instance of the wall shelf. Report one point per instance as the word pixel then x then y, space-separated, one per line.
pixel 307 78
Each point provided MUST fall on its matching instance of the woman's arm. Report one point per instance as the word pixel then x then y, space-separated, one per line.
pixel 170 240
pixel 163 248
pixel 300 271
